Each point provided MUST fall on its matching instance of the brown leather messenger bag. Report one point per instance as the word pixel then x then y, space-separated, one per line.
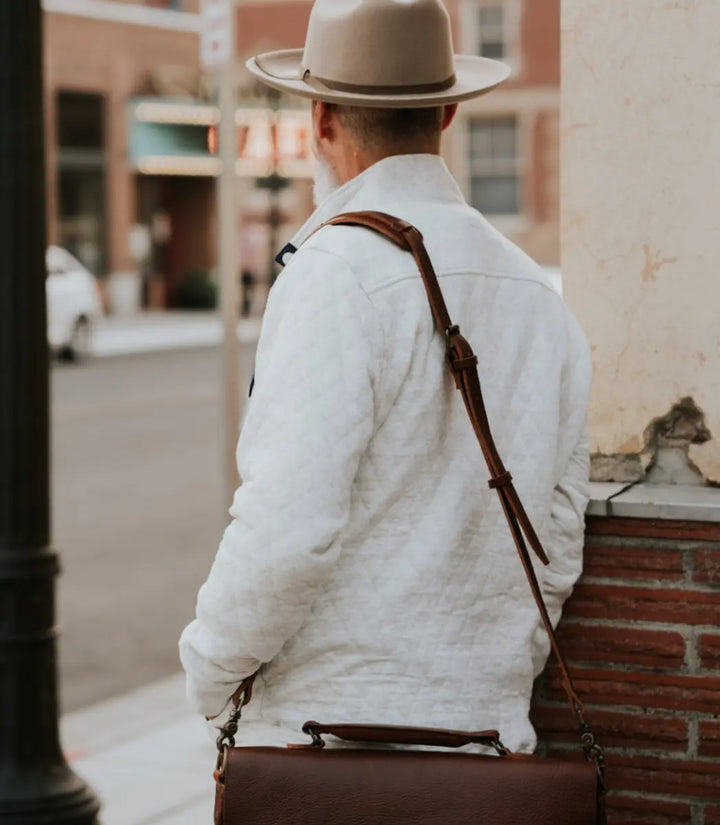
pixel 307 785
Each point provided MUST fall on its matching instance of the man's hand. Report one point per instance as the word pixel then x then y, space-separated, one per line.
pixel 244 693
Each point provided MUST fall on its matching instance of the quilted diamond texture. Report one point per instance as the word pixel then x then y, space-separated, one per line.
pixel 368 567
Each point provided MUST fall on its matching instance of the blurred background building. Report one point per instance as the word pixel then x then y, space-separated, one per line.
pixel 107 205
pixel 132 140
pixel 505 146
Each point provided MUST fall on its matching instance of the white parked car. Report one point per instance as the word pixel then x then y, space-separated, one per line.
pixel 73 303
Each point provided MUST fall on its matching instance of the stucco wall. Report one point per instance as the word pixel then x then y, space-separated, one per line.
pixel 641 209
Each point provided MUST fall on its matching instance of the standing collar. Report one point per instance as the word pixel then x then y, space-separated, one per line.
pixel 394 180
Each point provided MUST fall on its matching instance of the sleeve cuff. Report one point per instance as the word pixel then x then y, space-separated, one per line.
pixel 209 701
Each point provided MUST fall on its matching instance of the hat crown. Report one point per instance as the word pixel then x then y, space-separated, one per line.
pixel 383 43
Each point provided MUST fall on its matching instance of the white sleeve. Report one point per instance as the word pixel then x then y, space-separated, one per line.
pixel 308 424
pixel 566 533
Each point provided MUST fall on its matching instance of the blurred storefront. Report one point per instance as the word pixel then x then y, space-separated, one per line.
pixel 173 152
pixel 131 131
pixel 131 150
pixel 99 55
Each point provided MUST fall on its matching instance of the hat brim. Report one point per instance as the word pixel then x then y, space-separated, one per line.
pixel 474 76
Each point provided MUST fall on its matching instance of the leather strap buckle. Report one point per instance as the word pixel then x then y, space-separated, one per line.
pixel 462 364
pixel 502 480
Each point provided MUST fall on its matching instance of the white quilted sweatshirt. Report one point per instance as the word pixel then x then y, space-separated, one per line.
pixel 368 570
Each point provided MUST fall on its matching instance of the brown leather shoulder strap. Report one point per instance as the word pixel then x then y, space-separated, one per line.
pixel 462 362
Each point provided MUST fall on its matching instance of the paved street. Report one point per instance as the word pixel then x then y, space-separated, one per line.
pixel 137 512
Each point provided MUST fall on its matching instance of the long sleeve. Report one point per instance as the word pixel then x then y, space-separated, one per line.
pixel 566 533
pixel 308 424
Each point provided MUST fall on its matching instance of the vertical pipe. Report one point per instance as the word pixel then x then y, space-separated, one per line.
pixel 229 265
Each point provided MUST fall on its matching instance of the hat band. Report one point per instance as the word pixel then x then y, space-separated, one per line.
pixel 354 88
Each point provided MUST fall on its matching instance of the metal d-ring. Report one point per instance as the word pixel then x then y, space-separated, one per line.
pixel 226 739
pixel 317 740
pixel 452 331
pixel 499 748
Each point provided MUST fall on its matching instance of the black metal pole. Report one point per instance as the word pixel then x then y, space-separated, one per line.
pixel 36 784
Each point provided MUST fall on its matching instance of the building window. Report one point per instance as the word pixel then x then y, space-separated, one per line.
pixel 491 28
pixel 491 40
pixel 81 121
pixel 81 178
pixel 173 5
pixel 495 165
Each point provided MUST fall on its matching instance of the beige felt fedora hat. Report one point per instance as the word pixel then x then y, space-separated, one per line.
pixel 381 53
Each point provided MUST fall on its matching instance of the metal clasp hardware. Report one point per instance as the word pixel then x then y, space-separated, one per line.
pixel 317 740
pixel 452 331
pixel 500 749
pixel 226 739
pixel 592 750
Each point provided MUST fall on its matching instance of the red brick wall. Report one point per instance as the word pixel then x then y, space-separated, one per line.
pixel 642 636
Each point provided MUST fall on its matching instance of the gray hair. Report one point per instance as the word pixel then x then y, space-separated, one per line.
pixel 392 131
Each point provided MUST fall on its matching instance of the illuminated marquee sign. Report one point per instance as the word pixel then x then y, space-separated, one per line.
pixel 182 139
pixel 264 144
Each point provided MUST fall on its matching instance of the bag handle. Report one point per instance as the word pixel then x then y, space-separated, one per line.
pixel 397 735
pixel 463 362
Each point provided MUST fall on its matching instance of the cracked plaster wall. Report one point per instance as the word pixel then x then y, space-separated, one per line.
pixel 641 209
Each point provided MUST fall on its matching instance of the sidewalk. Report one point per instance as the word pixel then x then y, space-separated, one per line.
pixel 145 755
pixel 156 331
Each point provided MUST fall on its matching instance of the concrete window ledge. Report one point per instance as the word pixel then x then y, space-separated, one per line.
pixel 655 501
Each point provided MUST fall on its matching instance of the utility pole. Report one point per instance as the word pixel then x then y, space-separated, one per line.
pixel 36 784
pixel 217 52
pixel 228 261
pixel 274 183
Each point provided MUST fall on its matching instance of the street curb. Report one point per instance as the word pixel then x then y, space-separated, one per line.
pixel 115 337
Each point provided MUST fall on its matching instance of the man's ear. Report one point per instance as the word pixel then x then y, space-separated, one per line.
pixel 324 122
pixel 449 113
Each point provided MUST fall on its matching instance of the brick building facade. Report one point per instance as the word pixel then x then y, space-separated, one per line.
pixel 504 148
pixel 99 56
pixel 130 191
